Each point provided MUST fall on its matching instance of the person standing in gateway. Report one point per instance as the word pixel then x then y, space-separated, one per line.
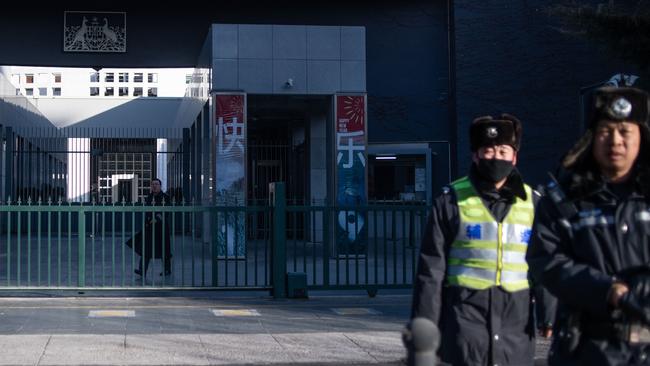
pixel 157 233
pixel 472 277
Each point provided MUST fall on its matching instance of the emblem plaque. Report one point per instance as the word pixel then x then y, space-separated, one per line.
pixel 94 31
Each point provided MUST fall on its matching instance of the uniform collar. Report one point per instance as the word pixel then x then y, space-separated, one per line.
pixel 585 183
pixel 514 186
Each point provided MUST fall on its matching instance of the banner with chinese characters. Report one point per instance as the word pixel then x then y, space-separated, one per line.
pixel 230 168
pixel 351 192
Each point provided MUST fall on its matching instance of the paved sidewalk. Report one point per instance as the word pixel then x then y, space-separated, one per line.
pixel 214 329
pixel 202 331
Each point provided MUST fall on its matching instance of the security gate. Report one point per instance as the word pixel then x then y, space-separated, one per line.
pixel 57 245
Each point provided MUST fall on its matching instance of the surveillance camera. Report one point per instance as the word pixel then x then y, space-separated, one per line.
pixel 289 83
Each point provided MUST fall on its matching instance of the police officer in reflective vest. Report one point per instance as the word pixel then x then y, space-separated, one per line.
pixel 472 276
pixel 591 240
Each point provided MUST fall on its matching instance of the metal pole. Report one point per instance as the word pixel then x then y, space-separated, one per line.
pixel 279 253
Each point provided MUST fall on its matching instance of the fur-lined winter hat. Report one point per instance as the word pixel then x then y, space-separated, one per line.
pixel 613 104
pixel 489 131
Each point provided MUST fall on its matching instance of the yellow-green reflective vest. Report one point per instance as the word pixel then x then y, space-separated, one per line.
pixel 485 252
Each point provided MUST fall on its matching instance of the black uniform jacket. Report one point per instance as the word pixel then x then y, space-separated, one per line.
pixel 577 260
pixel 478 327
pixel 150 239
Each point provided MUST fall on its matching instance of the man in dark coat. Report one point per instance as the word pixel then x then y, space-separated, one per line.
pixel 472 277
pixel 156 233
pixel 590 245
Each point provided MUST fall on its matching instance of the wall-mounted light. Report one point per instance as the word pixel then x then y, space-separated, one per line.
pixel 385 157
pixel 288 83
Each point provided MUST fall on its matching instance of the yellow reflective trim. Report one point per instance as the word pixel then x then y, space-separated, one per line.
pixel 473 212
pixel 515 267
pixel 515 247
pixel 473 263
pixel 521 217
pixel 500 252
pixel 516 286
pixel 479 244
pixel 473 283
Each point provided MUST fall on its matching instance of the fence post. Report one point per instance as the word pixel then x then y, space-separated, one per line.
pixel 326 244
pixel 279 252
pixel 9 164
pixel 213 216
pixel 81 229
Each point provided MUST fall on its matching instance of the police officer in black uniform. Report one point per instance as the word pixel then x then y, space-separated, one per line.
pixel 472 277
pixel 591 240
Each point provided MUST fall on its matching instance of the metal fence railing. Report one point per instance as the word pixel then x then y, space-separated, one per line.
pixel 64 245
pixel 60 245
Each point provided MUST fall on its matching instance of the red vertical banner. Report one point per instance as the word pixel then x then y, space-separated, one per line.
pixel 231 125
pixel 230 170
pixel 351 158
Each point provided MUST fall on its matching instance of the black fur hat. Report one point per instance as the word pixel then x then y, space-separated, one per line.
pixel 614 104
pixel 619 104
pixel 490 131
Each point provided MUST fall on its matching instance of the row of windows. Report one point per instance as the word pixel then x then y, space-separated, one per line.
pixel 123 77
pixel 123 91
pixel 56 92
pixel 42 78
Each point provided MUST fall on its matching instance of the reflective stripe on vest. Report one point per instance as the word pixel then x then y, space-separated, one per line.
pixel 487 253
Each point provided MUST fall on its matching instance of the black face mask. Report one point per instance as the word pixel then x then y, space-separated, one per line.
pixel 494 170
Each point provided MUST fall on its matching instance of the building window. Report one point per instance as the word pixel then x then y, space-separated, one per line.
pixel 94 77
pixel 152 92
pixel 56 92
pixel 137 77
pixel 44 78
pixel 29 78
pixel 123 77
pixel 94 91
pixel 109 92
pixel 188 78
pixel 42 92
pixel 127 164
pixel 17 91
pixel 123 91
pixel 109 78
pixel 29 92
pixel 57 77
pixel 137 92
pixel 152 77
pixel 397 178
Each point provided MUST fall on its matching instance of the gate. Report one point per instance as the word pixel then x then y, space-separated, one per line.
pixel 57 245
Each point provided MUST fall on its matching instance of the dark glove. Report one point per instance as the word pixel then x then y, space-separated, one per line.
pixel 636 302
pixel 638 280
pixel 634 307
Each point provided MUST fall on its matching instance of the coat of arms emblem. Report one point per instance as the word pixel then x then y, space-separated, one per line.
pixel 94 32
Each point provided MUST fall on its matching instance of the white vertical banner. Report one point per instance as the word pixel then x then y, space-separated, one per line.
pixel 230 170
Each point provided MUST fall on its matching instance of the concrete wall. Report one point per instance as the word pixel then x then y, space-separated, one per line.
pixel 16 110
pixel 115 113
pixel 288 59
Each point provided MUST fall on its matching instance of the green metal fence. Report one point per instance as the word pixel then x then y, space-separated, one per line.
pixel 62 245
pixel 57 245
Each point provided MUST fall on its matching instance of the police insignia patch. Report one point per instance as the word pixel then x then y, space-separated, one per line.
pixel 619 108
